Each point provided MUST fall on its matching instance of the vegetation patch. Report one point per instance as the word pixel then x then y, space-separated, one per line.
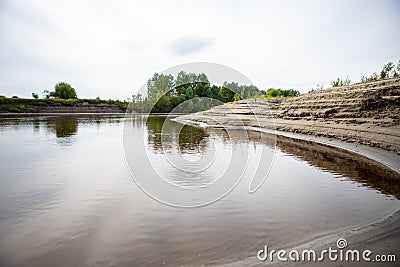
pixel 164 93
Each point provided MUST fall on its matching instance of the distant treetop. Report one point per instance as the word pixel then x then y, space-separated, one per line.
pixel 64 90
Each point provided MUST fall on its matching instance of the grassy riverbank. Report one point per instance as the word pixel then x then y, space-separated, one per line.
pixel 23 105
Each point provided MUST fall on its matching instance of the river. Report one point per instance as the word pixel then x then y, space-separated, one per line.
pixel 68 198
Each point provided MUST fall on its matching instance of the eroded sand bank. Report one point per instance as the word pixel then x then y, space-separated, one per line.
pixel 362 119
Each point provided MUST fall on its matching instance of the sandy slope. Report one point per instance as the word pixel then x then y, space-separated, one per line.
pixel 362 118
pixel 367 114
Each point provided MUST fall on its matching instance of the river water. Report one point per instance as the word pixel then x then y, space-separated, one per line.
pixel 67 197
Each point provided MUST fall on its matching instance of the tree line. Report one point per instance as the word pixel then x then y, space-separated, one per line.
pixel 165 93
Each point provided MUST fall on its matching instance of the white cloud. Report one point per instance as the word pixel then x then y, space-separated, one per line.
pixel 185 46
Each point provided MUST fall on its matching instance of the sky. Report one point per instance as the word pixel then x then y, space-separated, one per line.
pixel 111 48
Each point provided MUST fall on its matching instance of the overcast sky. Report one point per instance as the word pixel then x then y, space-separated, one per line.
pixel 110 48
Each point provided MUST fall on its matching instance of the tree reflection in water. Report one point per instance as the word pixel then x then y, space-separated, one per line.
pixel 188 138
pixel 63 126
pixel 340 162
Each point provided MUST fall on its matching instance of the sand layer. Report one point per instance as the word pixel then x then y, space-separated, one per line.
pixel 367 114
pixel 361 118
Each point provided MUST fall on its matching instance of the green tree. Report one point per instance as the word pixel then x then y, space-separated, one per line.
pixel 181 82
pixel 236 97
pixel 35 96
pixel 189 92
pixel 163 105
pixel 213 92
pixel 159 85
pixel 273 92
pixel 387 70
pixel 201 89
pixel 199 81
pixel 226 94
pixel 227 91
pixel 64 90
pixel 248 91
pixel 290 93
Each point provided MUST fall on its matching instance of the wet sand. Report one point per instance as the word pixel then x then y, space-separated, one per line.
pixel 381 236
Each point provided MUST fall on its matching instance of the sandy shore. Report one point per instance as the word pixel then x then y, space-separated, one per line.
pixel 363 114
pixel 387 158
pixel 361 119
pixel 381 236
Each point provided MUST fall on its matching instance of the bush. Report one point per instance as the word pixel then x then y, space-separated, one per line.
pixel 389 70
pixel 340 82
pixel 64 91
pixel 281 93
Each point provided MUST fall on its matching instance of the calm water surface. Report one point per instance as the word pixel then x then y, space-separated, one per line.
pixel 67 198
